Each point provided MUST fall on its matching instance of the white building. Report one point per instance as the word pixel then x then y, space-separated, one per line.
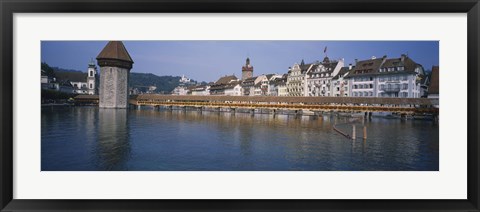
pixel 296 79
pixel 226 85
pixel 319 77
pixel 278 86
pixel 340 84
pixel 184 79
pixel 386 77
pixel 200 90
pixel 180 90
pixel 82 83
pixel 233 89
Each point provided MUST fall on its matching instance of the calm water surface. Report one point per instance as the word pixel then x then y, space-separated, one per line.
pixel 88 138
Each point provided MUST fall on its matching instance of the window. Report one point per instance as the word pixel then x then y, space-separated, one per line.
pixel 382 86
pixel 371 93
pixel 371 85
pixel 360 86
pixel 405 86
pixel 360 94
pixel 91 85
pixel 91 73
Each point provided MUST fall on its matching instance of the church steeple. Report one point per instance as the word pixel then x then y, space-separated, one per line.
pixel 247 62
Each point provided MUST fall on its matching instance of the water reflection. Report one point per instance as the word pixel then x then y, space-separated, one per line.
pixel 113 145
pixel 95 139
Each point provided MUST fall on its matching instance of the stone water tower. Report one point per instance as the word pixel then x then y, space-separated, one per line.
pixel 115 64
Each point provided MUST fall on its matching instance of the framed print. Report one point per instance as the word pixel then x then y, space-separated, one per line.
pixel 263 105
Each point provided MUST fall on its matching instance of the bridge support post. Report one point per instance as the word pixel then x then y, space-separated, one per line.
pixel 403 117
pixel 435 118
pixel 353 132
pixel 364 132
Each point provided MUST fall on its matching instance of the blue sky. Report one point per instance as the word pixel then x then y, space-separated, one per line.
pixel 209 60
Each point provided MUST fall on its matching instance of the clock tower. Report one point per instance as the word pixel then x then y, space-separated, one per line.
pixel 247 70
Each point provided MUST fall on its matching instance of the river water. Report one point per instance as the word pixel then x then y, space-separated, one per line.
pixel 93 139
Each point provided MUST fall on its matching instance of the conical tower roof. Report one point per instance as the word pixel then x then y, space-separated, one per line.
pixel 115 50
pixel 115 54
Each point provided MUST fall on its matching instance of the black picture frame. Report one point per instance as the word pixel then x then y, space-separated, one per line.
pixel 10 7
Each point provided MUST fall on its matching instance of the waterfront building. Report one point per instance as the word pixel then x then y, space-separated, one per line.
pixel 47 82
pixel 200 90
pixel 180 90
pixel 386 77
pixel 282 88
pixel 258 89
pixel 75 81
pixel 296 79
pixel 247 70
pixel 115 64
pixel 268 85
pixel 142 89
pixel 248 86
pixel 278 86
pixel 224 86
pixel 319 77
pixel 233 89
pixel 340 84
pixel 433 88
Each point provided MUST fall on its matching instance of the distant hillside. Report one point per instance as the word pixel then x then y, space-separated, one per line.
pixel 57 69
pixel 163 83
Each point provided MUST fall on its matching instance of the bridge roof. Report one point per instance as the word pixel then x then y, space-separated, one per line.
pixel 291 99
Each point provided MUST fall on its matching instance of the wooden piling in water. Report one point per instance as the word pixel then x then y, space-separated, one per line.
pixel 364 132
pixel 353 132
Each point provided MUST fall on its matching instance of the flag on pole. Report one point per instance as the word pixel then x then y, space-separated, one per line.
pixel 325 50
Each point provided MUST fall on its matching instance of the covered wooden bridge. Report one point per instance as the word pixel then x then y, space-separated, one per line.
pixel 341 104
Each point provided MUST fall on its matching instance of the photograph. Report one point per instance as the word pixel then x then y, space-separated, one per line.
pixel 239 105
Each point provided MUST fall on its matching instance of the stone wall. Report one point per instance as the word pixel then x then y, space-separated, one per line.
pixel 113 87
